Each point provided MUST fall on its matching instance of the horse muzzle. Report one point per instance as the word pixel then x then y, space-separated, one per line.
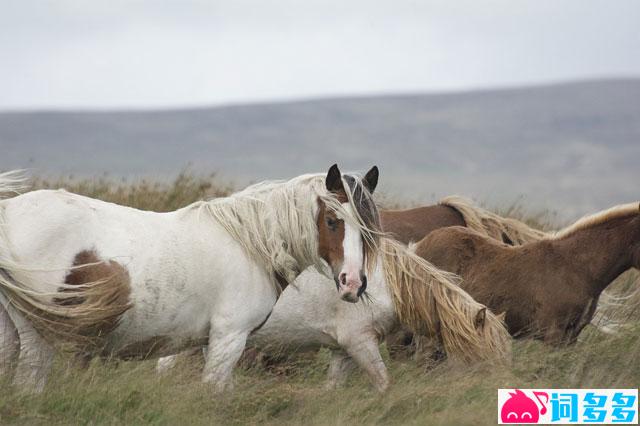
pixel 350 289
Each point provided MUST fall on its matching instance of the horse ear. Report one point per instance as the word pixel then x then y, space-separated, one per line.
pixel 370 180
pixel 502 316
pixel 481 316
pixel 334 179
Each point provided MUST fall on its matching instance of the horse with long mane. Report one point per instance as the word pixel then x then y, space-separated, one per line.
pixel 405 290
pixel 412 225
pixel 121 282
pixel 405 226
pixel 549 289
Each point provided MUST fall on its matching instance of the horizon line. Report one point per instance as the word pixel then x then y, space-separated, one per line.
pixel 303 99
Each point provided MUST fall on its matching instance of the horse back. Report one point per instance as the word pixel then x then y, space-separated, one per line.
pixel 453 249
pixel 49 228
pixel 528 283
pixel 413 225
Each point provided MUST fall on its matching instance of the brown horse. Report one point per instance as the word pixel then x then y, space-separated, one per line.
pixel 413 225
pixel 548 289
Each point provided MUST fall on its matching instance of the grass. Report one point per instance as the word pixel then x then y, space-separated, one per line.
pixel 131 393
pixel 114 393
pixel 143 194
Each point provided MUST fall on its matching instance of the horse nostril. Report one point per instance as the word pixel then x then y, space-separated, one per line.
pixel 363 287
pixel 343 278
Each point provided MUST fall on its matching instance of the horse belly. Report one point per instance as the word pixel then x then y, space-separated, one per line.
pixel 148 332
pixel 182 291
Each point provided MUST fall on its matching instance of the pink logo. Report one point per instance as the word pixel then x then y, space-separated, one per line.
pixel 519 408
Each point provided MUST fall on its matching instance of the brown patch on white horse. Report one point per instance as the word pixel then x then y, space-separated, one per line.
pixel 330 236
pixel 90 303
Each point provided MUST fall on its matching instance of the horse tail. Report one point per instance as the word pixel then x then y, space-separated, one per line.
pixel 610 305
pixel 79 314
pixel 430 302
pixel 12 183
pixel 508 230
pixel 82 309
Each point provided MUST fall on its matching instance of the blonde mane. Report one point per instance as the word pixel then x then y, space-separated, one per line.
pixel 616 212
pixel 275 222
pixel 430 302
pixel 492 225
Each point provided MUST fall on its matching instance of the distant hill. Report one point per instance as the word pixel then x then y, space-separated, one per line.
pixel 571 147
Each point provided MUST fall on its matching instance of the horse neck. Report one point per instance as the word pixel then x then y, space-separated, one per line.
pixel 604 251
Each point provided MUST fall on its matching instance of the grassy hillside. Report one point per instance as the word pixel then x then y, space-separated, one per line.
pixel 131 393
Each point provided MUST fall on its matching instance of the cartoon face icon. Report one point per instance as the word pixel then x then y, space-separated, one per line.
pixel 519 408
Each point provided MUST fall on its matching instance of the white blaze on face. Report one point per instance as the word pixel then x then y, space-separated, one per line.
pixel 353 254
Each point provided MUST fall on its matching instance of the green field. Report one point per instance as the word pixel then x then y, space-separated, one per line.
pixel 112 392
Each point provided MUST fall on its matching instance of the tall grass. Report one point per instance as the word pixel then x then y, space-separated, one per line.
pixel 143 194
pixel 131 393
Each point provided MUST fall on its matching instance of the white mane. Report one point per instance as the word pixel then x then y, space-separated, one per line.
pixel 275 222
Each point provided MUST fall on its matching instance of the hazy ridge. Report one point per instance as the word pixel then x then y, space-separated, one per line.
pixel 570 147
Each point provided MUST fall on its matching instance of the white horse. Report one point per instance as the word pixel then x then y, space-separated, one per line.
pixel 128 283
pixel 404 290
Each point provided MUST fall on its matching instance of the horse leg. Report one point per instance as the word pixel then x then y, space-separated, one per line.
pixel 9 343
pixel 339 367
pixel 400 344
pixel 36 356
pixel 366 353
pixel 554 335
pixel 167 363
pixel 429 351
pixel 237 313
pixel 223 353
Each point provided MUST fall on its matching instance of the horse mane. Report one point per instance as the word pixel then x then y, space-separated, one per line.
pixel 275 222
pixel 588 221
pixel 492 225
pixel 430 301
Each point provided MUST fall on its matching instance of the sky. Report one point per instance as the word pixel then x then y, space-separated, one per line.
pixel 109 54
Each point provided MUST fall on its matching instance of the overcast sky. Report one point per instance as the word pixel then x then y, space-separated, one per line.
pixel 164 53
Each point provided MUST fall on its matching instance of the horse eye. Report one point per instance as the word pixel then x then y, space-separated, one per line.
pixel 332 223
